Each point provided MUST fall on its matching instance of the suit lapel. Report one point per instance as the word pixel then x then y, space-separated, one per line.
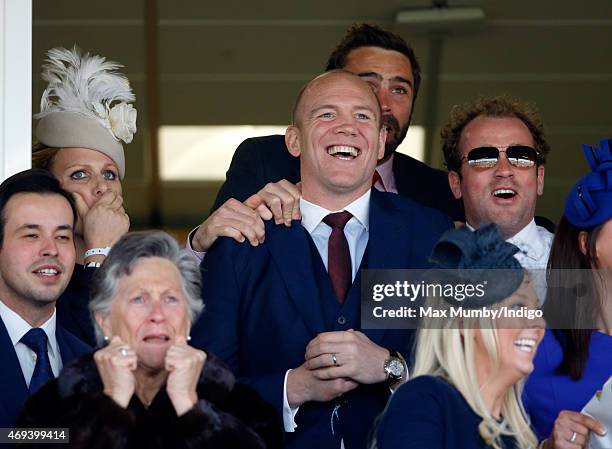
pixel 386 232
pixel 65 349
pixel 70 347
pixel 13 388
pixel 291 253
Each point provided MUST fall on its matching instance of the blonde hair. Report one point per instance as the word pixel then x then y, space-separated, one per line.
pixel 42 156
pixel 449 352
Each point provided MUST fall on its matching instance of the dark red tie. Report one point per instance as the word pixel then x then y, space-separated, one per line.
pixel 376 178
pixel 338 255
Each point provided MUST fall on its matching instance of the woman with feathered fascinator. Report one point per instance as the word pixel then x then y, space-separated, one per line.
pixel 465 387
pixel 85 117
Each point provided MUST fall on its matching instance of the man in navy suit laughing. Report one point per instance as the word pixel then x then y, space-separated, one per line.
pixel 285 315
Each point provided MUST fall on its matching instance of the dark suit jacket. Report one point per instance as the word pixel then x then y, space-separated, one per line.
pixel 73 306
pixel 13 387
pixel 260 160
pixel 265 303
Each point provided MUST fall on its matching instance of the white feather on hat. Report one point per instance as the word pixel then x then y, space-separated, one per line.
pixel 91 87
pixel 88 85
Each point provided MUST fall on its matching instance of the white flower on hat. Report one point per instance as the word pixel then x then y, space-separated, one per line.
pixel 122 119
pixel 89 85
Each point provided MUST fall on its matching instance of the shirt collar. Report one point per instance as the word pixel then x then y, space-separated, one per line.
pixel 528 241
pixel 313 214
pixel 385 170
pixel 17 327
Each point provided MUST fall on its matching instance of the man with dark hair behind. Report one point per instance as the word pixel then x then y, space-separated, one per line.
pixel 37 256
pixel 368 46
pixel 495 151
pixel 388 64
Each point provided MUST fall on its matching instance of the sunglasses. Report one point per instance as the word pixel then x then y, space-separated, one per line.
pixel 519 156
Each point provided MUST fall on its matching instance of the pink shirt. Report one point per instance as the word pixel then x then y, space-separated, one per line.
pixel 385 170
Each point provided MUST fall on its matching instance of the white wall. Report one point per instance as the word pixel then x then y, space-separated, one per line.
pixel 15 86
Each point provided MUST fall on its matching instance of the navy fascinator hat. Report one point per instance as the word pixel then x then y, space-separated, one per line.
pixel 589 203
pixel 475 257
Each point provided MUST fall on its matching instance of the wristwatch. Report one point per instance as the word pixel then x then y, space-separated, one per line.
pixel 395 368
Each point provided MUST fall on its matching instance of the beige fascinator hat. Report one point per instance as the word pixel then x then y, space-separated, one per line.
pixel 86 105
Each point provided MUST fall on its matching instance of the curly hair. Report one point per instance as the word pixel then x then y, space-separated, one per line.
pixel 367 35
pixel 500 106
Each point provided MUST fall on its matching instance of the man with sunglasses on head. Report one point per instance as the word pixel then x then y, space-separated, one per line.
pixel 495 151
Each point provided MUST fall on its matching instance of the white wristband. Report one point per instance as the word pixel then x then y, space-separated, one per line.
pixel 95 251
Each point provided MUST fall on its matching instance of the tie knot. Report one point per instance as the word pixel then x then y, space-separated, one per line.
pixel 338 220
pixel 36 340
pixel 376 177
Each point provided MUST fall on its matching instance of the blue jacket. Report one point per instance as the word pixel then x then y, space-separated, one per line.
pixel 430 413
pixel 13 387
pixel 264 304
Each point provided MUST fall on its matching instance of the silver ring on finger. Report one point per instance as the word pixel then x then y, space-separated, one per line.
pixel 334 359
pixel 573 437
pixel 123 352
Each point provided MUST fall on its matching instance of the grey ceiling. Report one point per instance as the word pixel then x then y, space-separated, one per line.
pixel 242 62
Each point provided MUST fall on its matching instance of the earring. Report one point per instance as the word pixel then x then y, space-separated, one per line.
pixel 188 337
pixel 106 338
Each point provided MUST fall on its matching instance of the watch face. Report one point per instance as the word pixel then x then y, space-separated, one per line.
pixel 396 367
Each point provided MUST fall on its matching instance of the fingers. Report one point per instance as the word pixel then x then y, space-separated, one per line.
pixel 233 219
pixel 338 387
pixel 257 203
pixel 332 360
pixel 240 229
pixel 281 201
pixel 108 198
pixel 296 192
pixel 590 423
pixel 323 348
pixel 80 204
pixel 117 354
pixel 332 366
pixel 263 211
pixel 293 200
pixel 571 429
pixel 334 372
pixel 329 342
pixel 183 357
pixel 106 221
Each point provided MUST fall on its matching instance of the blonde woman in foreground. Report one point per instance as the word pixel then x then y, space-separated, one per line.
pixel 468 375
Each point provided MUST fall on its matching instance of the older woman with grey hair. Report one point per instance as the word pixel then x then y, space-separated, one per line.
pixel 147 387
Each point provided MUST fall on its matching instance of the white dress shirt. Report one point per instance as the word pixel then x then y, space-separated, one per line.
pixel 17 327
pixel 356 231
pixel 534 243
